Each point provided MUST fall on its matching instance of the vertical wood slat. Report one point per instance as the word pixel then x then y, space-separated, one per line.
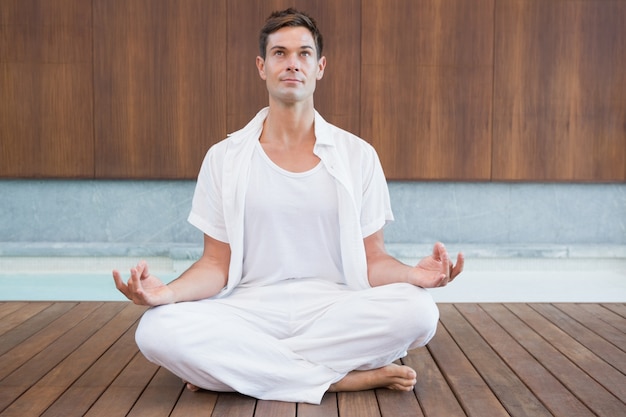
pixel 46 114
pixel 560 91
pixel 159 89
pixel 427 85
pixel 338 93
pixel 246 91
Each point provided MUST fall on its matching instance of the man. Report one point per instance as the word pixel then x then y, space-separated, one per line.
pixel 294 294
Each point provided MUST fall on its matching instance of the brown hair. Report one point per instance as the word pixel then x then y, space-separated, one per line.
pixel 289 18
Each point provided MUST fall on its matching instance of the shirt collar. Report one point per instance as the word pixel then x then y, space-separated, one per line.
pixel 323 131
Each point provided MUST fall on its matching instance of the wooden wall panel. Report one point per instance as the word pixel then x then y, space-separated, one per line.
pixel 427 87
pixel 246 90
pixel 159 85
pixel 560 91
pixel 505 90
pixel 46 126
pixel 337 94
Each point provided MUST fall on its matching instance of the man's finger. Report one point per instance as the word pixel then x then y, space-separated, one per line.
pixel 445 262
pixel 120 285
pixel 458 268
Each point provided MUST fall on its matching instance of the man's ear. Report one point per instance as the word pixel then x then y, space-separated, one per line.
pixel 260 65
pixel 321 64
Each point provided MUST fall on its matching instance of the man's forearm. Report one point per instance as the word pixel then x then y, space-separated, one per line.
pixel 202 280
pixel 385 269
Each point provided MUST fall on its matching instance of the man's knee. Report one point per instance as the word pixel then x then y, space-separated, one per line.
pixel 154 334
pixel 422 316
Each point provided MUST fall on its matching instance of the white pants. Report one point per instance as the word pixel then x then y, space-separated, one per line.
pixel 287 341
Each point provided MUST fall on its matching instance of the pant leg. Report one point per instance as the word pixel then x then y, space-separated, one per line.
pixel 286 342
pixel 366 329
pixel 222 347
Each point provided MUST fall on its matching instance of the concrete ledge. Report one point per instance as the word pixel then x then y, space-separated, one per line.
pixel 182 251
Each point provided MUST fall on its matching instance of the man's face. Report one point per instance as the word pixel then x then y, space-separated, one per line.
pixel 291 68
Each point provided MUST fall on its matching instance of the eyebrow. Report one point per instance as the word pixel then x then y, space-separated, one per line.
pixel 283 47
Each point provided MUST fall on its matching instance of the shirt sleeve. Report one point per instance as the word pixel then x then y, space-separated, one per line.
pixel 207 212
pixel 376 205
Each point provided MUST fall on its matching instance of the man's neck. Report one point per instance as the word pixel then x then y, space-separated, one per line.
pixel 289 125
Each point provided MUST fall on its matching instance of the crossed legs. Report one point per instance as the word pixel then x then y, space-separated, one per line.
pixel 292 342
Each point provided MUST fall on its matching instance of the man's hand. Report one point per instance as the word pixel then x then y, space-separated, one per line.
pixel 143 288
pixel 436 270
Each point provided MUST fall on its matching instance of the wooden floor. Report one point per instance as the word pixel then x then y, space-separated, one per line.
pixel 72 359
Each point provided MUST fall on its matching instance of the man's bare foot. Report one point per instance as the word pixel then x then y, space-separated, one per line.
pixel 190 386
pixel 392 376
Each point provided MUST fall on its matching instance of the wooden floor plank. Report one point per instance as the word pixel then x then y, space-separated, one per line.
pixel 358 404
pixel 510 390
pixel 32 372
pixel 617 308
pixel 200 403
pixel 327 408
pixel 26 329
pixel 7 308
pixel 121 395
pixel 582 385
pixel 159 397
pixel 83 354
pixel 83 393
pixel 398 403
pixel 274 409
pixel 595 324
pixel 549 390
pixel 432 390
pixel 232 404
pixel 18 316
pixel 64 359
pixel 615 318
pixel 473 393
pixel 40 341
pixel 588 361
pixel 585 336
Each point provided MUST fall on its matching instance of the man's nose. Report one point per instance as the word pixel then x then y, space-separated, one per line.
pixel 293 64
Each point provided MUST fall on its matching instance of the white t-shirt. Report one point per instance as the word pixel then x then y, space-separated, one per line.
pixel 362 196
pixel 291 224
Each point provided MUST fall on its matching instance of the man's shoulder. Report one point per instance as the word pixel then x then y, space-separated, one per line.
pixel 341 137
pixel 235 139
